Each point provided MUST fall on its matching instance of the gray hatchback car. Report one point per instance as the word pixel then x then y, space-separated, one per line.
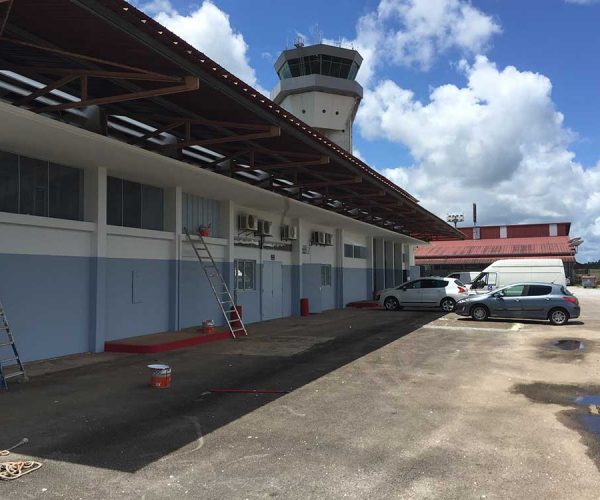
pixel 523 300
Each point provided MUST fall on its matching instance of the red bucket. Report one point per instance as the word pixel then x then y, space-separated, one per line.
pixel 160 377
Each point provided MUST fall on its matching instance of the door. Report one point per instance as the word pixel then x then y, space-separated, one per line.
pixel 508 302
pixel 410 293
pixel 536 301
pixel 271 290
pixel 432 291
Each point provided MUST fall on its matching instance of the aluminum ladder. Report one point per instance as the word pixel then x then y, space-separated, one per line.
pixel 6 340
pixel 219 287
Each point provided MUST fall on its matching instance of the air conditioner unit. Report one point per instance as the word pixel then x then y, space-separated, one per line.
pixel 314 237
pixel 248 222
pixel 321 239
pixel 265 228
pixel 289 233
pixel 328 239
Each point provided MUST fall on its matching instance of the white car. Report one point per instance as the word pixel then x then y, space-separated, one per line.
pixel 424 292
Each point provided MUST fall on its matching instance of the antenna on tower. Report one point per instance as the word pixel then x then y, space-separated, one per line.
pixel 299 42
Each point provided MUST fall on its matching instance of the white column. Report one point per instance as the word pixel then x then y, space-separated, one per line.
pixel 297 268
pixel 339 268
pixel 173 221
pixel 95 210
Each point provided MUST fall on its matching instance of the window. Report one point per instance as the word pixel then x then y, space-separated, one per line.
pixel 132 204
pixel 326 275
pixel 355 251
pixel 245 272
pixel 413 285
pixel 538 290
pixel 37 187
pixel 513 291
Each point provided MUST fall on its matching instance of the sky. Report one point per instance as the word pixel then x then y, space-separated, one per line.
pixel 494 102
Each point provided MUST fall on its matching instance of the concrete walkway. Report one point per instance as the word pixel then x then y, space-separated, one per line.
pixel 410 404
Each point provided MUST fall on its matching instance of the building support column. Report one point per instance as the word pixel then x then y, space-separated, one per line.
pixel 296 294
pixel 228 231
pixel 95 210
pixel 379 263
pixel 339 268
pixel 173 222
pixel 370 270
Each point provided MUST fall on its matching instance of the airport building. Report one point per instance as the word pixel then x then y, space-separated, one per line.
pixel 116 135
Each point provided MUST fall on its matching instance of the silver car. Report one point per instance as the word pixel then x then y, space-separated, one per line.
pixel 424 292
pixel 523 300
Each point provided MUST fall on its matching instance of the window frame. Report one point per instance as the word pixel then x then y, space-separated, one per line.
pixel 242 266
pixel 326 275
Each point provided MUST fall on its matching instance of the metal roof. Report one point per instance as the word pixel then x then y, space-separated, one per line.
pixel 487 250
pixel 106 66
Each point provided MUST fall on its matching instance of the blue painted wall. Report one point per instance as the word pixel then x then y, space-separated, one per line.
pixel 355 285
pixel 47 302
pixel 137 297
pixel 196 300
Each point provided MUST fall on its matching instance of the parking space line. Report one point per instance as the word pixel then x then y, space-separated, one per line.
pixel 513 328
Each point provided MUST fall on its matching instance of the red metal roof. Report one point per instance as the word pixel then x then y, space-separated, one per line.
pixel 482 251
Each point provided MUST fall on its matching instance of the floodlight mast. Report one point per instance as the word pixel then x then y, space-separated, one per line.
pixel 456 218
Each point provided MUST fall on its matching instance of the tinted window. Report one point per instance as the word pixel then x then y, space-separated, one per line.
pixel 34 187
pixel 64 185
pixel 439 283
pixel 537 290
pixel 414 284
pixel 114 202
pixel 348 250
pixel 152 208
pixel 514 291
pixel 9 182
pixel 459 283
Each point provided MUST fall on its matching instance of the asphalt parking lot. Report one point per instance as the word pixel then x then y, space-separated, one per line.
pixel 409 404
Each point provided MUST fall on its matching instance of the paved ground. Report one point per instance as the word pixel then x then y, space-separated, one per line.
pixel 410 404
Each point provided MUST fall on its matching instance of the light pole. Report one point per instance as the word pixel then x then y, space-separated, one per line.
pixel 456 218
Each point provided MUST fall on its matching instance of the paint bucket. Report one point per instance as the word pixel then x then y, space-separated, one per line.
pixel 208 326
pixel 160 378
pixel 204 231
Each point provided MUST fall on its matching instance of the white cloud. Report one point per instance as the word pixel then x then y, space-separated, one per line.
pixel 209 30
pixel 582 2
pixel 498 141
pixel 416 32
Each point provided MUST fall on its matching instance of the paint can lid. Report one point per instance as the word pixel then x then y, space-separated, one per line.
pixel 158 367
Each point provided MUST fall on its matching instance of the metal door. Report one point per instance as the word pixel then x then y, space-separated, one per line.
pixel 271 290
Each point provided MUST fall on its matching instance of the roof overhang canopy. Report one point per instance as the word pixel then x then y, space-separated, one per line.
pixel 105 66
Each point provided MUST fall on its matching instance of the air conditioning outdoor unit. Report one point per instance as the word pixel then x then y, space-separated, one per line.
pixel 289 233
pixel 314 237
pixel 321 238
pixel 248 222
pixel 328 239
pixel 265 228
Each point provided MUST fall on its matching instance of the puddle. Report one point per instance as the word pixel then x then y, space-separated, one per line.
pixel 591 423
pixel 589 399
pixel 569 344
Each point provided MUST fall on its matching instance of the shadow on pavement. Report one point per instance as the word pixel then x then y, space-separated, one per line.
pixel 106 415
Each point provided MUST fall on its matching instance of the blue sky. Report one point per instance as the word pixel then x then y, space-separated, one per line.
pixel 488 101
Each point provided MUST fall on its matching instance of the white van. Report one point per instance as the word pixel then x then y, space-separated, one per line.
pixel 465 277
pixel 507 271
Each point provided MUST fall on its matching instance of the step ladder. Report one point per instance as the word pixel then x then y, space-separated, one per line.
pixel 219 287
pixel 7 340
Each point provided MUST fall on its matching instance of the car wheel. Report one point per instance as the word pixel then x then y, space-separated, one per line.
pixel 391 304
pixel 479 313
pixel 447 304
pixel 558 316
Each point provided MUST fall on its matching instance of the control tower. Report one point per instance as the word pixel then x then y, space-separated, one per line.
pixel 316 83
